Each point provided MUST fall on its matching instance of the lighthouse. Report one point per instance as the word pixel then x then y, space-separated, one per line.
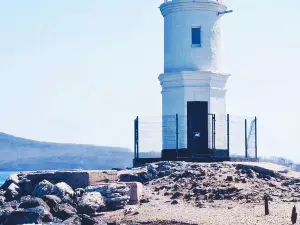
pixel 193 87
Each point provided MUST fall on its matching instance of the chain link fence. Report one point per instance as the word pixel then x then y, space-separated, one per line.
pixel 237 135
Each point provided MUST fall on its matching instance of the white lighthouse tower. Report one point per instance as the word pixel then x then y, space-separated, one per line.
pixel 192 85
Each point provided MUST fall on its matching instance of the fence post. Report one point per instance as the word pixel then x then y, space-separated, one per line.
pixel 256 156
pixel 137 138
pixel 246 145
pixel 214 131
pixel 228 137
pixel 177 137
pixel 134 126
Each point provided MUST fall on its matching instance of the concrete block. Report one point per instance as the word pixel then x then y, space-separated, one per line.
pixel 135 191
pixel 75 179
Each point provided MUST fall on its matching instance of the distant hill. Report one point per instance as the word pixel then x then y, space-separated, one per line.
pixel 20 154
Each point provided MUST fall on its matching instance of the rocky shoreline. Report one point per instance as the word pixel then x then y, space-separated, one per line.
pixel 130 196
pixel 26 199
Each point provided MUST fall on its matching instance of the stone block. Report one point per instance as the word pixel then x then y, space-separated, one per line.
pixel 75 179
pixel 135 192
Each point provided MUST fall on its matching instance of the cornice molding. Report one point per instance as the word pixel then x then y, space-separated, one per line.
pixel 188 5
pixel 193 75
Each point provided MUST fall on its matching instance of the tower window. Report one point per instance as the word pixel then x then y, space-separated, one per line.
pixel 196 36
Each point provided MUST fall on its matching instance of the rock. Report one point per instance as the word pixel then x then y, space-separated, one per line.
pixel 135 192
pixel 176 195
pixel 24 217
pixel 90 203
pixel 63 189
pixel 69 200
pixel 79 192
pixel 44 214
pixel 229 178
pixel 13 192
pixel 2 200
pixel 43 188
pixel 144 200
pixel 26 186
pixel 87 220
pixel 48 218
pixel 128 177
pixel 13 179
pixel 52 201
pixel 74 220
pixel 115 195
pixel 4 214
pixel 174 202
pixel 64 211
pixel 33 203
pixel 75 179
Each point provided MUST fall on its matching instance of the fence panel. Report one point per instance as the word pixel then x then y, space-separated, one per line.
pixel 150 136
pixel 237 136
pixel 170 132
pixel 251 138
pixel 221 132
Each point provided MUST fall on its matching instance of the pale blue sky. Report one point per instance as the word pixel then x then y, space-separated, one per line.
pixel 81 71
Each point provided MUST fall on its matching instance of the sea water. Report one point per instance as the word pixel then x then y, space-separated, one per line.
pixel 4 175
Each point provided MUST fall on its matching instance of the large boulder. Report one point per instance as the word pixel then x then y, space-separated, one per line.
pixel 64 211
pixel 115 195
pixel 13 192
pixel 52 201
pixel 33 203
pixel 4 214
pixel 43 188
pixel 87 220
pixel 74 220
pixel 90 203
pixel 27 186
pixel 2 200
pixel 62 189
pixel 26 216
pixel 12 179
pixel 46 188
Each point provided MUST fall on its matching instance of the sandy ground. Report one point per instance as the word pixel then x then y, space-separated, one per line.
pixel 223 212
pixel 219 212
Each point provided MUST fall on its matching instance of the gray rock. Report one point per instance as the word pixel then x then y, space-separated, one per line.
pixel 52 201
pixel 87 220
pixel 79 192
pixel 90 203
pixel 64 211
pixel 33 203
pixel 2 200
pixel 69 200
pixel 26 186
pixel 13 192
pixel 4 214
pixel 74 220
pixel 13 179
pixel 115 195
pixel 24 217
pixel 63 189
pixel 43 188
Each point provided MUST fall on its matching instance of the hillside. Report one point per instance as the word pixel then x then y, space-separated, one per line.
pixel 19 154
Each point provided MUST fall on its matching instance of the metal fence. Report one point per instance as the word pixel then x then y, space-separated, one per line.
pixel 237 135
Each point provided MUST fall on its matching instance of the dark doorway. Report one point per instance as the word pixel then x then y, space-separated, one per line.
pixel 197 128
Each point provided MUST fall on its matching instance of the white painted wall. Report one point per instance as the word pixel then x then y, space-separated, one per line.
pixel 191 73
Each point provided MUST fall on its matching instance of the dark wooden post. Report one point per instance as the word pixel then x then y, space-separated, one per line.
pixel 266 198
pixel 294 215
